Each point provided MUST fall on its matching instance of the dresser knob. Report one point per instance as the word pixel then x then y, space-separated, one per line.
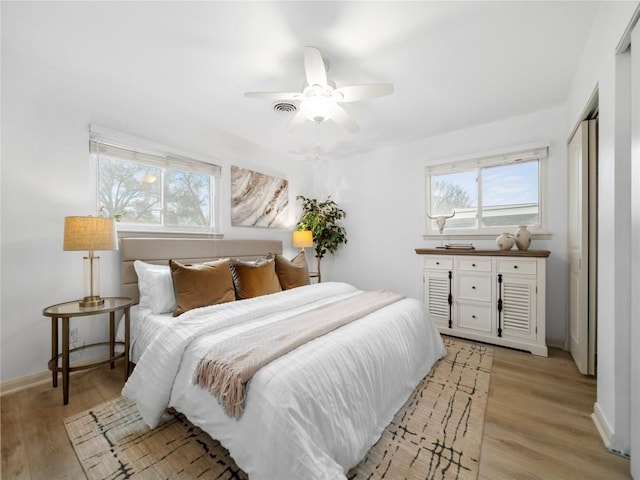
pixel 515 266
pixel 473 287
pixel 437 263
pixel 473 316
pixel 473 264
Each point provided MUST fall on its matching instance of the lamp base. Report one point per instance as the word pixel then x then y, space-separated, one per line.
pixel 94 301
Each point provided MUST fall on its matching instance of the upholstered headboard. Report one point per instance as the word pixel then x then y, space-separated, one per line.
pixel 185 250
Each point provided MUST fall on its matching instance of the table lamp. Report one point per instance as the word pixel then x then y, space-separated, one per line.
pixel 302 239
pixel 90 233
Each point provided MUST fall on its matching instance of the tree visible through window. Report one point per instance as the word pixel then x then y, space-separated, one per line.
pixel 130 190
pixel 455 192
pixel 487 195
pixel 188 199
pixel 153 192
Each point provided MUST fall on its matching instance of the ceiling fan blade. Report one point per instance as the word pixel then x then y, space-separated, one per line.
pixel 355 93
pixel 314 67
pixel 275 95
pixel 296 121
pixel 342 118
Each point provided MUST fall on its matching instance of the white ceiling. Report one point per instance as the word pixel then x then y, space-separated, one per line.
pixel 453 64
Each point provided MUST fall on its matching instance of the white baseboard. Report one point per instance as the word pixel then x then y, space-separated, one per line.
pixel 22 383
pixel 556 343
pixel 603 427
pixel 34 379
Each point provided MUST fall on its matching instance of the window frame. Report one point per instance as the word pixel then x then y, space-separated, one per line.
pixel 508 157
pixel 154 155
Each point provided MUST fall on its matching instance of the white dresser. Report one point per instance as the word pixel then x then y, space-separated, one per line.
pixel 493 296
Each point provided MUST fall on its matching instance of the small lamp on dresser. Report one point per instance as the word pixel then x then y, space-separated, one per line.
pixel 91 234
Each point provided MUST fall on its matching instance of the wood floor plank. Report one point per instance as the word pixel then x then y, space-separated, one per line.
pixel 538 424
pixel 14 452
pixel 37 415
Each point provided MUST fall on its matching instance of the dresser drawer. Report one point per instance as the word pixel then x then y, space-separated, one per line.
pixel 516 265
pixel 439 263
pixel 474 264
pixel 475 317
pixel 474 287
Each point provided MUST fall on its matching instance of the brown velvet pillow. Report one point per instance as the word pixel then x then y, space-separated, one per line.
pixel 201 285
pixel 253 279
pixel 292 273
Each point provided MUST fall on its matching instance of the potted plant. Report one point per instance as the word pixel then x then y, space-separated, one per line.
pixel 322 218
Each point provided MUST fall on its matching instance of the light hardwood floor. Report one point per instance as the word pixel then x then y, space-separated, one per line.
pixel 537 426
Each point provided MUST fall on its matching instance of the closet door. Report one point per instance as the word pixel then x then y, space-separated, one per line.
pixel 582 151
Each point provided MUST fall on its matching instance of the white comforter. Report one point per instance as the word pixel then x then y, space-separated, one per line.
pixel 311 414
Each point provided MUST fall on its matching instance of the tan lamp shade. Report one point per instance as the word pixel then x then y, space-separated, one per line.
pixel 89 233
pixel 302 238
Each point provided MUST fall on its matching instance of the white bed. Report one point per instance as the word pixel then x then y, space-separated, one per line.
pixel 311 414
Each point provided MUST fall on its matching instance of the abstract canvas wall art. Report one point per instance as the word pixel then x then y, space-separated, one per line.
pixel 258 200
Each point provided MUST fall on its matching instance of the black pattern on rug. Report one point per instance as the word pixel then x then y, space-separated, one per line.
pixel 130 450
pixel 436 434
pixel 432 436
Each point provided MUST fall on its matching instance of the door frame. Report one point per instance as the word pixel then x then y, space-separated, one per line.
pixel 593 244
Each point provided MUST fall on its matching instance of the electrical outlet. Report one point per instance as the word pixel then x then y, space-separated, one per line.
pixel 73 336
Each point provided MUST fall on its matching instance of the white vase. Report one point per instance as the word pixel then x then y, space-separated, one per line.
pixel 505 241
pixel 522 237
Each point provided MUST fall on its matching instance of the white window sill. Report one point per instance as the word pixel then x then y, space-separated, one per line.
pixel 479 236
pixel 166 233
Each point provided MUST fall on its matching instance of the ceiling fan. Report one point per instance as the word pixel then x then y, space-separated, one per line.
pixel 320 97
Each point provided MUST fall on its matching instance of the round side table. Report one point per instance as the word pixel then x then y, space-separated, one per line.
pixel 68 310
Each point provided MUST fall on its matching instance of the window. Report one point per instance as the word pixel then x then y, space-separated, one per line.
pixel 148 191
pixel 489 195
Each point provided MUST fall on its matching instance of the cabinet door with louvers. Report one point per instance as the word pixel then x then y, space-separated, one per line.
pixel 437 291
pixel 518 317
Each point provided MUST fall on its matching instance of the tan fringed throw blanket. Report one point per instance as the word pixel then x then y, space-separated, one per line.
pixel 228 367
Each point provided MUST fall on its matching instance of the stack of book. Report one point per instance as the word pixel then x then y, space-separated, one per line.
pixel 459 246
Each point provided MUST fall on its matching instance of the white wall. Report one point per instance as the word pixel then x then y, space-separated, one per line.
pixel 383 195
pixel 46 175
pixel 599 67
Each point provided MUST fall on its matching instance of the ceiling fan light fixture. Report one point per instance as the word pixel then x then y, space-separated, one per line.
pixel 320 98
pixel 318 108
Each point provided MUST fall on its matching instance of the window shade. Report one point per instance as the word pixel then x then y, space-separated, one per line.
pixel 177 162
pixel 539 153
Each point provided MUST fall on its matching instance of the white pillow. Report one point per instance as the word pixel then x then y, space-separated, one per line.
pixel 156 287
